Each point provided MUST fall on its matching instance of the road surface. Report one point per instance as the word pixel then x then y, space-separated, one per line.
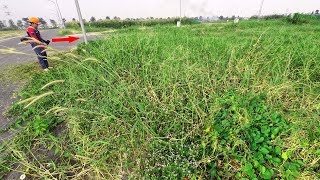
pixel 8 89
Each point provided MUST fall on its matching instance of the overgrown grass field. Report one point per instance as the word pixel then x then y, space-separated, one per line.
pixel 207 101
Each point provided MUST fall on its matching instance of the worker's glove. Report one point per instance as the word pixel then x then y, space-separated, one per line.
pixel 24 39
pixel 47 42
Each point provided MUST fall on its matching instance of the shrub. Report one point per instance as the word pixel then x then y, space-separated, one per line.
pixel 274 16
pixel 302 18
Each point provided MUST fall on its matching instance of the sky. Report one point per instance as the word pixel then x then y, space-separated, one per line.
pixel 151 8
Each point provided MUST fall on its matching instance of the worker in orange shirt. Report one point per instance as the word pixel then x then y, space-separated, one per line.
pixel 33 32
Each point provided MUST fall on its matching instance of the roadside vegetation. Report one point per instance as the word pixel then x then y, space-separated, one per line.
pixel 204 101
pixel 118 24
pixel 10 33
pixel 66 32
pixel 90 32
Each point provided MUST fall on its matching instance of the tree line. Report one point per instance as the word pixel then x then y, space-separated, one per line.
pixel 23 23
pixel 200 18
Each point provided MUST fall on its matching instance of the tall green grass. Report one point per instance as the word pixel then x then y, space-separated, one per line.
pixel 212 101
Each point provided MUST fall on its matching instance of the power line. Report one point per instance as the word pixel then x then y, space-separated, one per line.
pixel 63 25
pixel 6 9
pixel 58 12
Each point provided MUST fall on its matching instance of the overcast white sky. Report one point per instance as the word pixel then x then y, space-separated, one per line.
pixel 155 8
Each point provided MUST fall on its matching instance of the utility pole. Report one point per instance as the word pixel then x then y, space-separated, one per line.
pixel 81 22
pixel 179 22
pixel 260 11
pixel 180 9
pixel 57 5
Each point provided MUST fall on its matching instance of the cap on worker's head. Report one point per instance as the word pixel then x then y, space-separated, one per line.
pixel 34 20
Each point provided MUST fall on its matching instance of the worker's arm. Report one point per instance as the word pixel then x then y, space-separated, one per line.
pixel 39 36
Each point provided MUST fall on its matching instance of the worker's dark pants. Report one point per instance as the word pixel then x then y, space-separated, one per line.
pixel 42 56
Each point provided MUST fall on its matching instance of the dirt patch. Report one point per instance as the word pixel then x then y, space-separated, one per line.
pixel 7 97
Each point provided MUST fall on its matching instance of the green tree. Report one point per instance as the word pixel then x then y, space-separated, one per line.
pixel 53 23
pixel 43 23
pixel 12 25
pixel 116 18
pixel 20 24
pixel 25 22
pixel 92 19
pixel 2 26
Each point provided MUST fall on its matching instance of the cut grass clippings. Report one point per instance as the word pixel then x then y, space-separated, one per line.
pixel 10 33
pixel 18 73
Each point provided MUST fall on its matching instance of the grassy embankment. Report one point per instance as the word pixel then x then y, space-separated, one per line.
pixel 201 101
